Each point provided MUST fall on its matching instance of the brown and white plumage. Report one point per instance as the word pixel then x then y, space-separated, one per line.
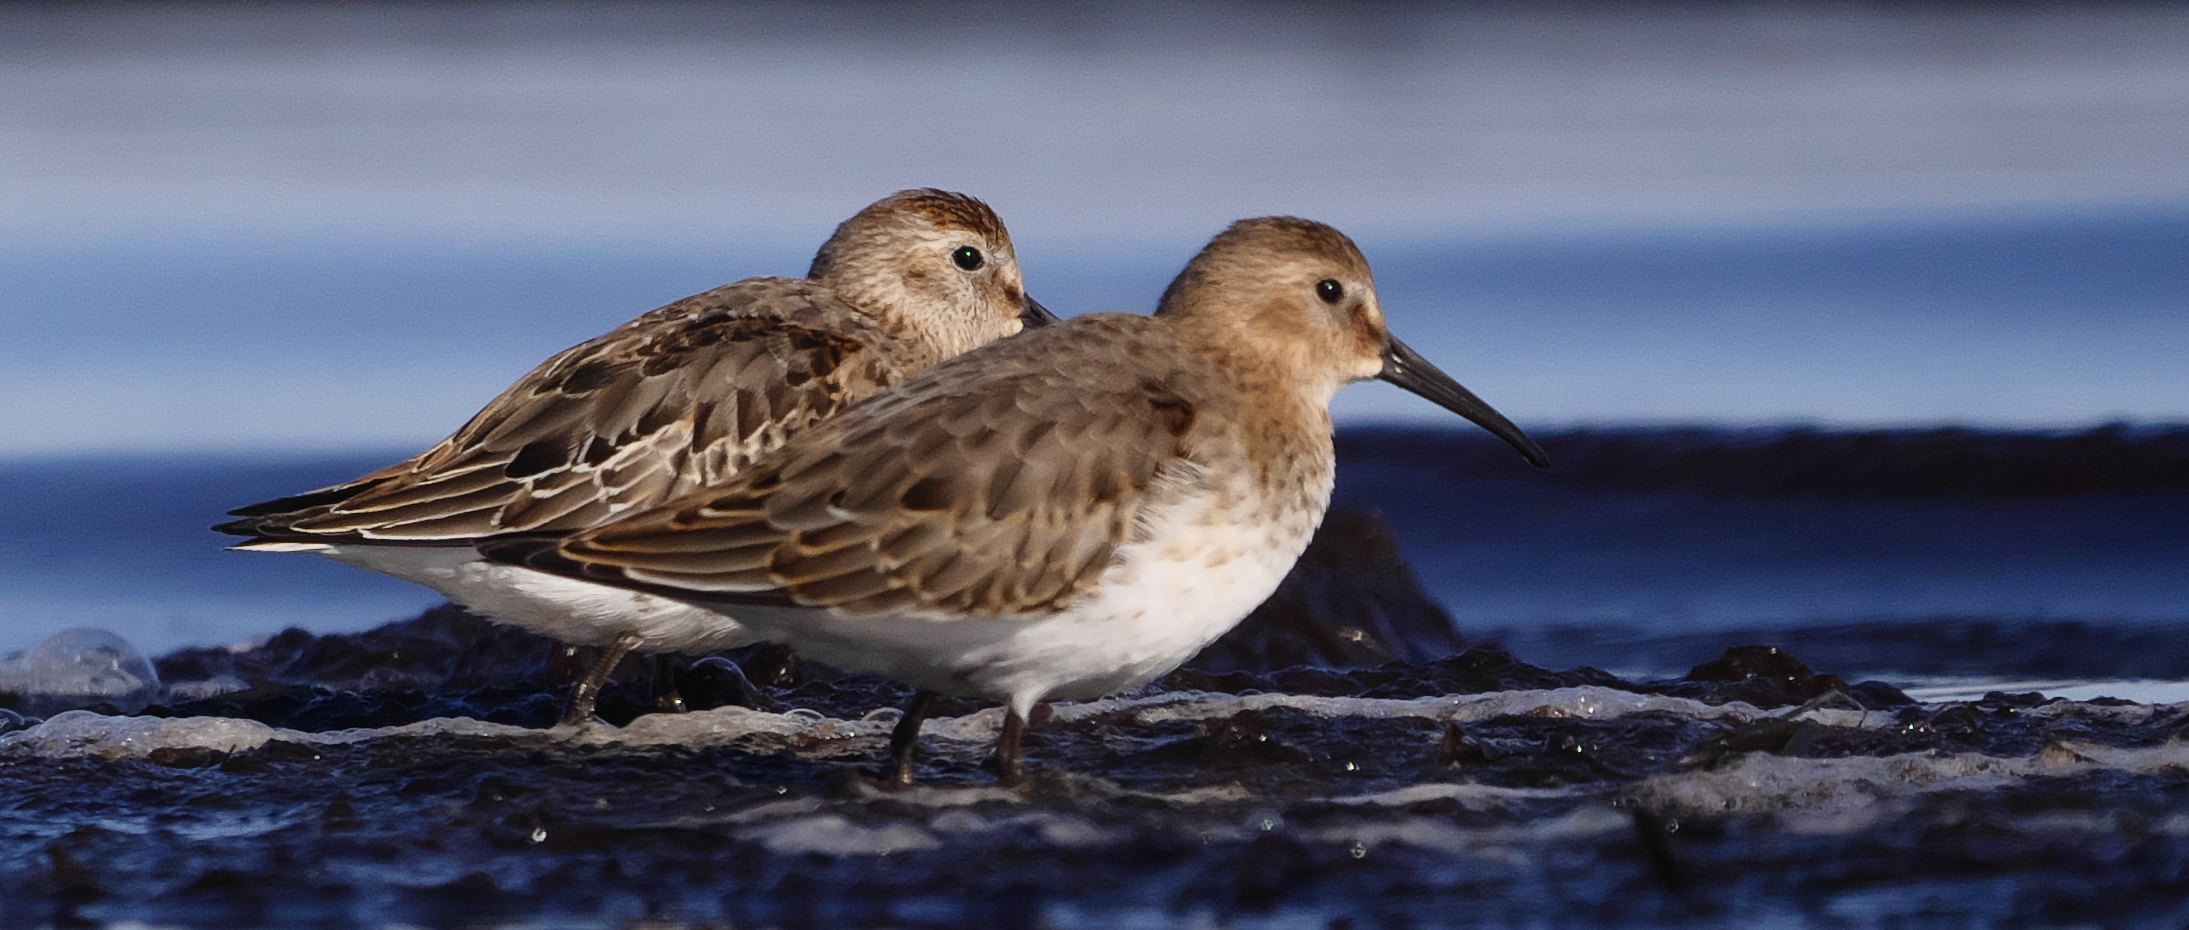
pixel 679 398
pixel 1067 514
pixel 989 490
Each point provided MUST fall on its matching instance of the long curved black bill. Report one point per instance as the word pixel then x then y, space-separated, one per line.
pixel 1036 316
pixel 1407 369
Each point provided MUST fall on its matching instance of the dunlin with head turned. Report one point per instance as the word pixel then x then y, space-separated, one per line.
pixel 1064 515
pixel 681 398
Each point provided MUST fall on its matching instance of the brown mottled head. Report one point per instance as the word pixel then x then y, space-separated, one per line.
pixel 934 267
pixel 1256 252
pixel 1260 284
pixel 1295 297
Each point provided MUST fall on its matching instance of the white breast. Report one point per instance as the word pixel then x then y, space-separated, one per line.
pixel 1208 559
pixel 1162 602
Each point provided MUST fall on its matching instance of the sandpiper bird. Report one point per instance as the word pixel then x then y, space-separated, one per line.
pixel 1067 514
pixel 683 397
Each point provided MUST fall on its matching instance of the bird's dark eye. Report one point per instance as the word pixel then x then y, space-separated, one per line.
pixel 1329 290
pixel 967 257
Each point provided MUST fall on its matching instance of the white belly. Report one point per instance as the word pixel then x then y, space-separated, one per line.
pixel 1160 603
pixel 569 610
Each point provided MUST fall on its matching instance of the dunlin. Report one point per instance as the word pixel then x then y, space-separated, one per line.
pixel 683 397
pixel 1064 515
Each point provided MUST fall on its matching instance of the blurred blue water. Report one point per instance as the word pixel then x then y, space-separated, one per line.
pixel 120 542
pixel 1518 560
pixel 212 345
pixel 2054 320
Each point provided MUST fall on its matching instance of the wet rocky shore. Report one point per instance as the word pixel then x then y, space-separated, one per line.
pixel 404 776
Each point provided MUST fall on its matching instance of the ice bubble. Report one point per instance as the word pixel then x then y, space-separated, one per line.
pixel 79 668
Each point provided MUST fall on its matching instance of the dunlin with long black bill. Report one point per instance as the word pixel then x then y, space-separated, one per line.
pixel 1063 515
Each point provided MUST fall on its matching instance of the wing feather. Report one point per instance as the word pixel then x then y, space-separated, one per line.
pixel 435 488
pixel 999 484
pixel 674 400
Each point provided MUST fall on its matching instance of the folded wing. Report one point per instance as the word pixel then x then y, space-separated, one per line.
pixel 674 400
pixel 999 484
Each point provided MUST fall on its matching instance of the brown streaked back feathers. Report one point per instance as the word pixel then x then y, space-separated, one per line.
pixel 1001 483
pixel 675 399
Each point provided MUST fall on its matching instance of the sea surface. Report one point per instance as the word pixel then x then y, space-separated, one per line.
pixel 1921 556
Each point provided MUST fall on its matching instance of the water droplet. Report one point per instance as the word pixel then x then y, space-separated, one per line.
pixel 80 667
pixel 539 834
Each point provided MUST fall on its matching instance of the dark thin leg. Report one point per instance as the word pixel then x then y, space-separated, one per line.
pixel 1010 764
pixel 904 741
pixel 666 698
pixel 588 691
